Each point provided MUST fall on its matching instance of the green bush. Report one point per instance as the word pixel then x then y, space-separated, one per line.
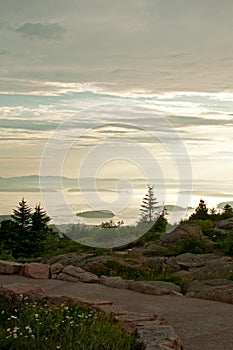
pixel 195 245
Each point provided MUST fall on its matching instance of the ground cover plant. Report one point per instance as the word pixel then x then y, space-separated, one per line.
pixel 37 326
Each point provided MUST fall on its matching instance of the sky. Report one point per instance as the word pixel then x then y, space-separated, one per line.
pixel 115 88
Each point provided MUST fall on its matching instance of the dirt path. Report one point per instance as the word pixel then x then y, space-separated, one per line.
pixel 201 324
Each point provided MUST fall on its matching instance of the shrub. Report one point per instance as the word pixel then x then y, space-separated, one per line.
pixel 195 245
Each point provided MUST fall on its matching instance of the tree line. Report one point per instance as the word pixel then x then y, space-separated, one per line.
pixel 26 233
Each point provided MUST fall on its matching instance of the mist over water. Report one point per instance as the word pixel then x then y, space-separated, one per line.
pixel 13 190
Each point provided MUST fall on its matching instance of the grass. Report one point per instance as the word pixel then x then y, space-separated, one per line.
pixel 40 327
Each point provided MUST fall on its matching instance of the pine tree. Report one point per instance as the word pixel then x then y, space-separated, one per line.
pixel 39 219
pixel 148 205
pixel 22 215
pixel 227 209
pixel 201 212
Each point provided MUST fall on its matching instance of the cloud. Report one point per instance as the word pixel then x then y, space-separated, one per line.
pixel 41 30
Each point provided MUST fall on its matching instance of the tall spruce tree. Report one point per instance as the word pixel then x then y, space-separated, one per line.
pixel 39 219
pixel 22 215
pixel 148 205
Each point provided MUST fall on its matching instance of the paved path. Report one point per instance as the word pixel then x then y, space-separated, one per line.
pixel 201 324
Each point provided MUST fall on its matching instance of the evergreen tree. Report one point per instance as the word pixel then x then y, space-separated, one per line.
pixel 148 205
pixel 227 209
pixel 39 219
pixel 201 212
pixel 22 215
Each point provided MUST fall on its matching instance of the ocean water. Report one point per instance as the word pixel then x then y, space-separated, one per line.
pixel 63 204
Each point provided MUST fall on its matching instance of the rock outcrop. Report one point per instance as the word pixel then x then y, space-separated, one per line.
pixel 225 224
pixel 76 274
pixel 180 233
pixel 219 268
pixel 218 290
pixel 157 337
pixel 147 287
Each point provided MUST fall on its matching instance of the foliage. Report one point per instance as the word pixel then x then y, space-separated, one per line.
pixel 111 224
pixel 158 227
pixel 195 245
pixel 24 236
pixel 22 216
pixel 37 326
pixel 201 212
pixel 227 209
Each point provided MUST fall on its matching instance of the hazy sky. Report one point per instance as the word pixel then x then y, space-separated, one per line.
pixel 134 59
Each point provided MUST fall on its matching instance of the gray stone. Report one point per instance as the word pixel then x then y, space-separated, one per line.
pixel 157 338
pixel 115 282
pixel 154 287
pixel 77 274
pixel 218 290
pixel 225 224
pixel 189 260
pixel 180 233
pixel 55 269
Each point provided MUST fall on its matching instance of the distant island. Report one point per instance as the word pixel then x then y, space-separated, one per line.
pixel 96 214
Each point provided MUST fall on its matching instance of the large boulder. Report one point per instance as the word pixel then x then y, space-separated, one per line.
pixel 55 270
pixel 147 287
pixel 188 260
pixel 10 268
pixel 75 274
pixel 218 290
pixel 115 282
pixel 154 287
pixel 37 270
pixel 214 269
pixel 225 224
pixel 180 233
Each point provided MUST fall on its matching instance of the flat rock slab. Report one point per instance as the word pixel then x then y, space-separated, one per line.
pixel 157 338
pixel 189 260
pixel 21 289
pixel 154 287
pixel 147 287
pixel 218 290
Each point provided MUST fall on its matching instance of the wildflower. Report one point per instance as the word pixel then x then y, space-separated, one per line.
pixel 3 311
